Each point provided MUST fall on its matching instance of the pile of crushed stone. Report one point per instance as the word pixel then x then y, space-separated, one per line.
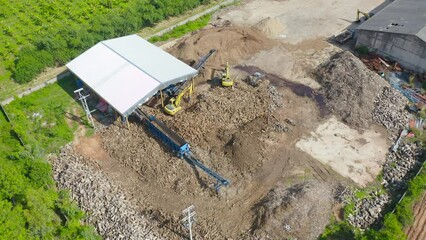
pixel 233 44
pixel 287 212
pixel 350 91
pixel 110 211
pixel 224 119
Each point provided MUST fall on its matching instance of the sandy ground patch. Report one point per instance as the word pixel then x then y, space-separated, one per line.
pixel 358 156
pixel 313 19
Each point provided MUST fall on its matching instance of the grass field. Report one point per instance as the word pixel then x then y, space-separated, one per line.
pixel 30 205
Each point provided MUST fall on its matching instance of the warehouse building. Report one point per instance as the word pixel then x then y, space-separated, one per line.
pixel 126 72
pixel 399 33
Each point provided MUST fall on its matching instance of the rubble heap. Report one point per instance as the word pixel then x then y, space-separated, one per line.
pixel 398 164
pixel 349 88
pixel 110 211
pixel 389 110
pixel 285 212
pixel 368 210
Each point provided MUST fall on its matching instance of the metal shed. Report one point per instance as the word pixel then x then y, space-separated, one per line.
pixel 399 32
pixel 127 71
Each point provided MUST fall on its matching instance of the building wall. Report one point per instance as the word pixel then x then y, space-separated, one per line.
pixel 408 50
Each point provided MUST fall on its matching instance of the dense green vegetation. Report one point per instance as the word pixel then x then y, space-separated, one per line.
pixel 179 31
pixel 30 205
pixel 393 224
pixel 37 34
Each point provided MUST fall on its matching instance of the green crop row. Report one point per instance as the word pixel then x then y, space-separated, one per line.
pixel 39 34
pixel 180 31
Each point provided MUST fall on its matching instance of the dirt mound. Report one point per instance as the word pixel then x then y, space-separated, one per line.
pixel 287 213
pixel 350 88
pixel 228 121
pixel 137 149
pixel 233 44
pixel 272 27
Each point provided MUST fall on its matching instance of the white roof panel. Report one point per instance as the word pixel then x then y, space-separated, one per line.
pixel 127 71
pixel 161 65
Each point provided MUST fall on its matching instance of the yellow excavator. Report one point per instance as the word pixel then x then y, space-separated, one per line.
pixel 174 105
pixel 366 15
pixel 227 81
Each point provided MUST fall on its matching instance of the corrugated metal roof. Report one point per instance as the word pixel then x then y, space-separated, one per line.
pixel 401 16
pixel 127 71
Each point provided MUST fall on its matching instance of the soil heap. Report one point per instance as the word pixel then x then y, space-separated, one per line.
pixel 272 27
pixel 287 213
pixel 350 89
pixel 233 44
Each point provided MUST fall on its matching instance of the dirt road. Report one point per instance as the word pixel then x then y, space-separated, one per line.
pixel 417 230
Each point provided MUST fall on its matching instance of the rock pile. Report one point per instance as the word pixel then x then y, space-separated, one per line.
pixel 368 210
pixel 349 88
pixel 398 164
pixel 395 171
pixel 110 211
pixel 287 212
pixel 389 110
pixel 223 109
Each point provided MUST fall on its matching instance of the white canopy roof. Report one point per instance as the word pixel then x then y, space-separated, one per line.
pixel 127 71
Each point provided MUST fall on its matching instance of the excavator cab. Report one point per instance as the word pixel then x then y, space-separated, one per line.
pixel 227 81
pixel 174 104
pixel 171 108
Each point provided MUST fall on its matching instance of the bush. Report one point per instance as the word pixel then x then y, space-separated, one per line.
pixel 30 63
pixel 362 50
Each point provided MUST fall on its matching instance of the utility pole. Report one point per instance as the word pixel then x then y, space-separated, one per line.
pixel 82 97
pixel 188 219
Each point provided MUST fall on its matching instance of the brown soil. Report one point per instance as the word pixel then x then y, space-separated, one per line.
pixel 233 44
pixel 417 230
pixel 272 27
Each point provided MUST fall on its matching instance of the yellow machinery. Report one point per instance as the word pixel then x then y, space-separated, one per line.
pixel 227 81
pixel 366 15
pixel 174 105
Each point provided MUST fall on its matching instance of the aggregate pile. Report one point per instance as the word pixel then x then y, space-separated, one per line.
pixel 395 176
pixel 110 210
pixel 389 110
pixel 368 210
pixel 287 212
pixel 358 95
pixel 154 163
pixel 399 164
pixel 225 127
pixel 233 44
pixel 228 120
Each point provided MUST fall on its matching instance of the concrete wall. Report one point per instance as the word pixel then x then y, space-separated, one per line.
pixel 408 50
